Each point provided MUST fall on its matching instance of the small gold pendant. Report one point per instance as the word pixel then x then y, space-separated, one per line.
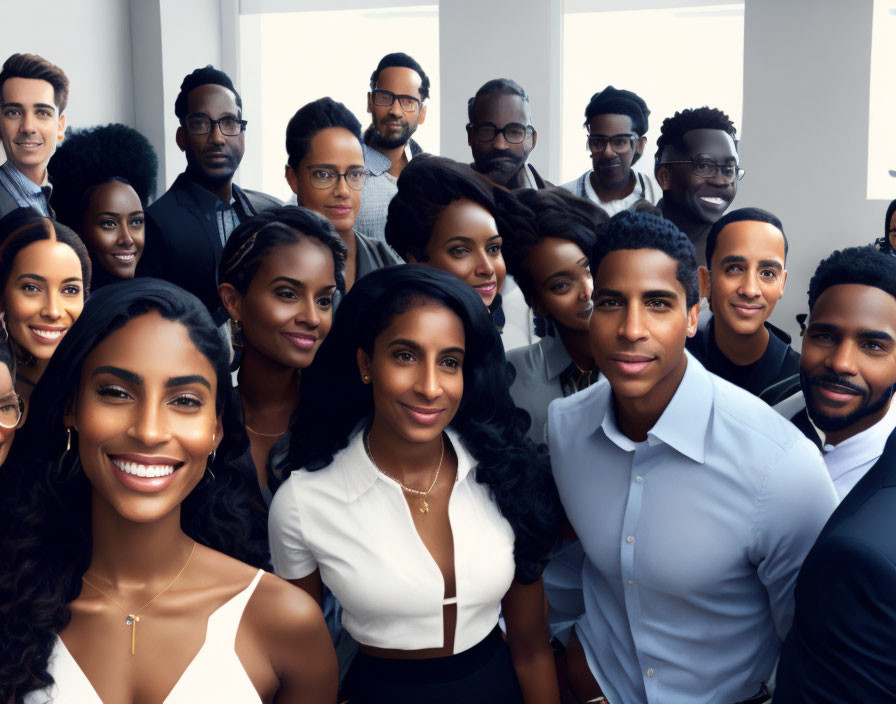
pixel 424 506
pixel 131 621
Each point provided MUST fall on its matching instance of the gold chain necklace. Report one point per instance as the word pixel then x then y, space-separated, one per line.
pixel 265 435
pixel 132 617
pixel 424 504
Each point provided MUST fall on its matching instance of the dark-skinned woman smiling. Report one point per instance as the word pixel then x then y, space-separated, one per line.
pixel 418 499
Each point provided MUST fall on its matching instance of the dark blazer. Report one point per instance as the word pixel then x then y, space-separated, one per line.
pixel 182 241
pixel 842 646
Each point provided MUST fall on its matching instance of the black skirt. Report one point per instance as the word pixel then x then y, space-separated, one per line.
pixel 483 674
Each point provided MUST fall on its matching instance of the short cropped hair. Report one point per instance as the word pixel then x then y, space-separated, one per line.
pixel 740 215
pixel 400 59
pixel 543 213
pixel 613 101
pixel 311 119
pixel 631 230
pixel 674 128
pixel 865 266
pixel 497 86
pixel 37 67
pixel 427 185
pixel 207 75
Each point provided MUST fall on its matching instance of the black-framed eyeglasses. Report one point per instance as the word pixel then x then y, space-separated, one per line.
pixel 704 168
pixel 323 177
pixel 620 143
pixel 200 123
pixel 385 98
pixel 514 132
pixel 11 409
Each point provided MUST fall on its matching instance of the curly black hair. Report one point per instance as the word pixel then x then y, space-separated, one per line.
pixel 616 101
pixel 674 128
pixel 312 118
pixel 399 58
pixel 89 158
pixel 741 215
pixel 496 86
pixel 638 230
pixel 206 75
pixel 548 212
pixel 45 521
pixel 865 266
pixel 427 185
pixel 335 400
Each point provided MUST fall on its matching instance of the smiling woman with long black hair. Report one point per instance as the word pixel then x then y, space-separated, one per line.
pixel 420 503
pixel 120 527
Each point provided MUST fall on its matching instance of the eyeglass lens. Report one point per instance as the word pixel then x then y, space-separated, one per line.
pixel 10 411
pixel 385 98
pixel 328 178
pixel 514 133
pixel 202 124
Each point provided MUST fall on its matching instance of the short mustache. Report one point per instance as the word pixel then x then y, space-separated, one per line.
pixel 833 380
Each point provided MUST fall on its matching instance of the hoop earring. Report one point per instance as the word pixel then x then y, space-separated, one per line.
pixel 236 333
pixel 68 439
pixel 73 470
pixel 4 334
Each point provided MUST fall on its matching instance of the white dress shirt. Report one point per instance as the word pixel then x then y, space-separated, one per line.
pixel 693 538
pixel 849 460
pixel 353 523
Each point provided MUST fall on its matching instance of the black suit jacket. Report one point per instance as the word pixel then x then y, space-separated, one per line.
pixel 842 647
pixel 182 241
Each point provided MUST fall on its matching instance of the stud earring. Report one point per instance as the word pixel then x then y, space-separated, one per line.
pixel 365 378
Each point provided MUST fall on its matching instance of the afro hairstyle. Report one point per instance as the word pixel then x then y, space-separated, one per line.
pixel 676 127
pixel 865 266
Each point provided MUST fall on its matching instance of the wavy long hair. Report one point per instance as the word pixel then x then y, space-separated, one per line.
pixel 45 523
pixel 334 401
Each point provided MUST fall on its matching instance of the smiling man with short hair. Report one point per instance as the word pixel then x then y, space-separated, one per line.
pixel 743 280
pixel 696 166
pixel 33 96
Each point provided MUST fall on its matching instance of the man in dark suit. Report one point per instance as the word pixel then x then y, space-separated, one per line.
pixel 842 646
pixel 189 224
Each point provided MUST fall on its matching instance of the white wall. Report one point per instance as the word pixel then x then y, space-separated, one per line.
pixel 518 39
pixel 90 41
pixel 806 97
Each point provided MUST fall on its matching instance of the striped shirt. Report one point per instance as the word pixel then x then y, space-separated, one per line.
pixel 24 191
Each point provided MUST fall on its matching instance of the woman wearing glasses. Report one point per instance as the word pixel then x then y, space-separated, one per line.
pixel 44 278
pixel 125 531
pixel 420 502
pixel 326 172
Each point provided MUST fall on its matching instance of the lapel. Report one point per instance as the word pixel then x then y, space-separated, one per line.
pixel 200 204
pixel 882 474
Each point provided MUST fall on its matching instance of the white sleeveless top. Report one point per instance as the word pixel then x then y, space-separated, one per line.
pixel 214 675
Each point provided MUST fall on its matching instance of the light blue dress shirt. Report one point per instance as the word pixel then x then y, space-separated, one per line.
pixel 693 538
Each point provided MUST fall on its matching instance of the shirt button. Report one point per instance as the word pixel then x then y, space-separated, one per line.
pixel 630 539
pixel 639 479
pixel 631 581
pixel 650 672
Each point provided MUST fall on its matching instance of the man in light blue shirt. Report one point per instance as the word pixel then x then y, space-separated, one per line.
pixel 694 501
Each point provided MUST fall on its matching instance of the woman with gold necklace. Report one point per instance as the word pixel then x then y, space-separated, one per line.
pixel 280 274
pixel 419 501
pixel 121 526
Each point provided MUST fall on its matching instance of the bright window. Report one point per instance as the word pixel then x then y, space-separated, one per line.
pixel 676 58
pixel 289 59
pixel 882 104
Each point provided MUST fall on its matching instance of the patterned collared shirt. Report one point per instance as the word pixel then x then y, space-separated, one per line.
pixel 24 191
pixel 226 218
pixel 378 191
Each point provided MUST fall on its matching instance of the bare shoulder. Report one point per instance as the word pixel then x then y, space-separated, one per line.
pixel 282 611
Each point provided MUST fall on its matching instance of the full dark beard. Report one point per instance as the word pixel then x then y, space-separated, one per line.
pixel 832 424
pixel 377 140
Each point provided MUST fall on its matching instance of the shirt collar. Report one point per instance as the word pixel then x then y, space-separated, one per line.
pixel 556 358
pixel 361 474
pixel 378 163
pixel 860 448
pixel 25 183
pixel 683 424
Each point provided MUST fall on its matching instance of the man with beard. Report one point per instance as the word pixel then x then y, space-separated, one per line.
pixel 696 166
pixel 396 102
pixel 616 121
pixel 189 224
pixel 842 647
pixel 848 363
pixel 501 136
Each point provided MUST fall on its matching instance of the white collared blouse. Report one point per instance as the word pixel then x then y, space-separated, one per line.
pixel 353 523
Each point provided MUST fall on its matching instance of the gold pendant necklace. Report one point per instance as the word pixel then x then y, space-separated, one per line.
pixel 424 504
pixel 133 618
